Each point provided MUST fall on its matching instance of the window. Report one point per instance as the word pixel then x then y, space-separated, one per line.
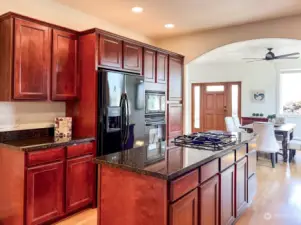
pixel 290 93
pixel 197 106
pixel 215 88
pixel 235 99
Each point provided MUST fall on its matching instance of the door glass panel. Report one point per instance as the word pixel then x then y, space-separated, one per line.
pixel 234 91
pixel 215 88
pixel 197 106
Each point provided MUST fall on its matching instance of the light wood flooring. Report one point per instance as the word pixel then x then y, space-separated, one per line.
pixel 277 202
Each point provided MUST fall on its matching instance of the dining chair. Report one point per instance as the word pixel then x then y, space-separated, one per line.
pixel 293 145
pixel 230 126
pixel 236 121
pixel 266 140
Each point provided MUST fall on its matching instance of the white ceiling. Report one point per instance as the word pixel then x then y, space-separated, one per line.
pixel 250 49
pixel 187 15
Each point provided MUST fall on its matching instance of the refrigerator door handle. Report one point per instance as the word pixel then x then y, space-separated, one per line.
pixel 122 117
pixel 127 118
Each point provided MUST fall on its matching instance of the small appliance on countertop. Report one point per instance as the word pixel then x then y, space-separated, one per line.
pixel 212 140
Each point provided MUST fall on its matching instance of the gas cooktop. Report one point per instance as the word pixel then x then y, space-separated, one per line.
pixel 212 141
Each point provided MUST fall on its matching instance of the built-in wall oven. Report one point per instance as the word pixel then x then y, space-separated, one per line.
pixel 155 123
pixel 155 102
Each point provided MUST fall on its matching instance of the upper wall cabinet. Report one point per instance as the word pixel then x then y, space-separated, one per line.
pixel 149 68
pixel 132 57
pixel 64 66
pixel 175 79
pixel 110 52
pixel 38 60
pixel 162 60
pixel 32 61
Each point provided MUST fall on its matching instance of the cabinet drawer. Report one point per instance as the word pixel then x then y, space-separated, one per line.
pixel 44 156
pixel 79 149
pixel 227 160
pixel 209 170
pixel 184 184
pixel 241 152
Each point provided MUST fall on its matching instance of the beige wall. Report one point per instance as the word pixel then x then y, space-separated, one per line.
pixel 53 12
pixel 194 45
pixel 28 115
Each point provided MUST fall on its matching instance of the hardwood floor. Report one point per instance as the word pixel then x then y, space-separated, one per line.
pixel 277 202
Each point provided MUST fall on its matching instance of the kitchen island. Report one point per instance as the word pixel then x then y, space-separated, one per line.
pixel 153 185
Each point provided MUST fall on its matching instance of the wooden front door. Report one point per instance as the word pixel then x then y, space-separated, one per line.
pixel 214 107
pixel 212 102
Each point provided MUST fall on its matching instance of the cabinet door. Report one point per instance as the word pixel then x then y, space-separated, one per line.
pixel 252 162
pixel 175 79
pixel 241 185
pixel 32 61
pixel 227 189
pixel 79 179
pixel 132 57
pixel 162 68
pixel 110 52
pixel 174 120
pixel 149 68
pixel 64 66
pixel 209 202
pixel 185 211
pixel 45 188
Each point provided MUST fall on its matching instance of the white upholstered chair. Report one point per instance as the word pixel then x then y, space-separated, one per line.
pixel 236 121
pixel 230 126
pixel 266 140
pixel 294 144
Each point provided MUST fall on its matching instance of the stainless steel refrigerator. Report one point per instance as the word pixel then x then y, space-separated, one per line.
pixel 121 122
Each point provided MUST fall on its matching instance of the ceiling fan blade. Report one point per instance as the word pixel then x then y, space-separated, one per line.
pixel 286 55
pixel 251 58
pixel 297 57
pixel 255 60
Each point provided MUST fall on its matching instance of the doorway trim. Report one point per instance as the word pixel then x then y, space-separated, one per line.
pixel 228 93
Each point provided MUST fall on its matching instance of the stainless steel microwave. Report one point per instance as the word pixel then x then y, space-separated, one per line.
pixel 155 102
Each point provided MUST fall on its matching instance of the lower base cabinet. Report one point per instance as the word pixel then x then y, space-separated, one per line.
pixel 241 185
pixel 185 210
pixel 252 186
pixel 227 195
pixel 45 188
pixel 79 182
pixel 209 202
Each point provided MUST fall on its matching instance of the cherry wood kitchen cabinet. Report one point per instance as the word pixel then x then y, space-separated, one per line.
pixel 149 67
pixel 185 210
pixel 38 60
pixel 227 196
pixel 162 67
pixel 110 52
pixel 175 77
pixel 79 182
pixel 209 202
pixel 64 66
pixel 132 57
pixel 174 120
pixel 31 61
pixel 45 193
pixel 241 185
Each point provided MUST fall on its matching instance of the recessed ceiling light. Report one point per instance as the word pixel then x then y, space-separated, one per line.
pixel 137 9
pixel 169 25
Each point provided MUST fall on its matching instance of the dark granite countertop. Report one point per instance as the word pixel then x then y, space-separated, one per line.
pixel 34 144
pixel 158 161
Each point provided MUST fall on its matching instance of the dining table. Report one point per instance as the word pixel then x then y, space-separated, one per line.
pixel 284 132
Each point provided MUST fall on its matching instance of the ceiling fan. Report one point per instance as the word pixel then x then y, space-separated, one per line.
pixel 271 56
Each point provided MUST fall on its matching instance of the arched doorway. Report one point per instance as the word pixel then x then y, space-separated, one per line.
pixel 225 65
